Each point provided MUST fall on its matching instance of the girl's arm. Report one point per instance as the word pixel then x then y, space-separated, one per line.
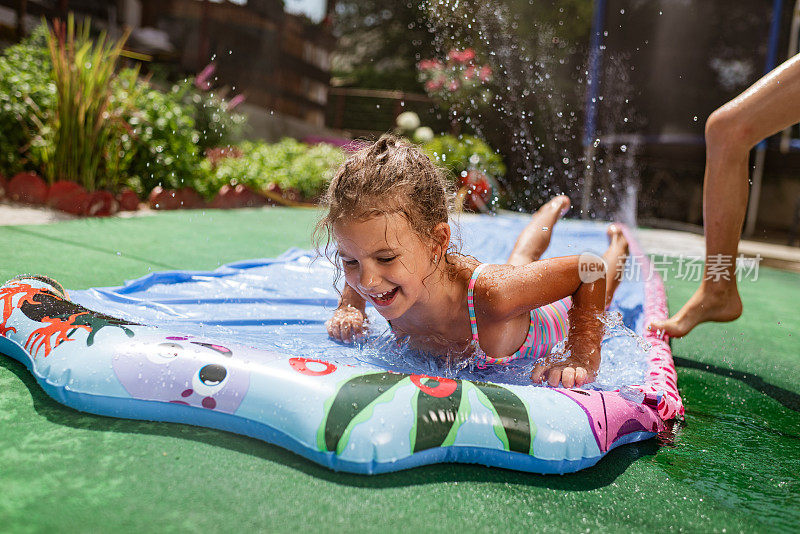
pixel 583 340
pixel 350 316
pixel 513 290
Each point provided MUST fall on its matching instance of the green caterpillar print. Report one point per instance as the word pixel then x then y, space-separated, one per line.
pixel 441 406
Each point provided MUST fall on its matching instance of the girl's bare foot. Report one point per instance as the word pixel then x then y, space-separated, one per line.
pixel 561 203
pixel 535 238
pixel 615 257
pixel 714 301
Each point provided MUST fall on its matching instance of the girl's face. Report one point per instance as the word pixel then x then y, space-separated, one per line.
pixel 385 262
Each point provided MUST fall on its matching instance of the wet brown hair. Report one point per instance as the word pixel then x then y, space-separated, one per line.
pixel 389 176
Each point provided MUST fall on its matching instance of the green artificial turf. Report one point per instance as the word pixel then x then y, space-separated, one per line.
pixel 733 466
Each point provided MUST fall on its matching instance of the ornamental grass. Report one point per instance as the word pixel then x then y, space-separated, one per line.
pixel 80 140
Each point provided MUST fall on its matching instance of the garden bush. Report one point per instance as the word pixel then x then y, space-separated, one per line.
pixel 289 164
pixel 464 153
pixel 215 120
pixel 151 137
pixel 311 171
pixel 26 89
pixel 171 131
pixel 162 141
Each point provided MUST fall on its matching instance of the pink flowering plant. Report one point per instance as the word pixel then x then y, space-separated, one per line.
pixel 459 83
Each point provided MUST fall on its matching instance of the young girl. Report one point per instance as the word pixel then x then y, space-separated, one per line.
pixel 388 220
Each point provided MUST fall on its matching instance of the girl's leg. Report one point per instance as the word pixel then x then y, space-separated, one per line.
pixel 615 257
pixel 535 238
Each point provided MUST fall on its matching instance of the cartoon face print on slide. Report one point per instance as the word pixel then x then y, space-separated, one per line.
pixel 184 372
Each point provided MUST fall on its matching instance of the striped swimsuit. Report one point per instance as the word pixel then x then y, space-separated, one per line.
pixel 548 326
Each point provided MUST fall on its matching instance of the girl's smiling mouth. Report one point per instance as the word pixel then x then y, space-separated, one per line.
pixel 385 298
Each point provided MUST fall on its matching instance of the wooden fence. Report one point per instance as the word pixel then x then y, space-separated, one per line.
pixel 369 112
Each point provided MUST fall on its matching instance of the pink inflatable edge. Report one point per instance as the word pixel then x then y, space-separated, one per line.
pixel 661 385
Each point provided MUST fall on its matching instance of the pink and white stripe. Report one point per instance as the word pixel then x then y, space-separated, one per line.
pixel 661 384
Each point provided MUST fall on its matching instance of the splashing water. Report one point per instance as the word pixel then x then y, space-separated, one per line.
pixel 527 107
pixel 623 359
pixel 539 120
pixel 386 350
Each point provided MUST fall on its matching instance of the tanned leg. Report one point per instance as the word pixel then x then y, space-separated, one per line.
pixel 535 238
pixel 767 107
pixel 615 257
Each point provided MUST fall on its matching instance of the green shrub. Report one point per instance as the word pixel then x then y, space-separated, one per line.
pixel 460 154
pixel 151 137
pixel 162 141
pixel 171 130
pixel 216 124
pixel 26 90
pixel 310 172
pixel 288 163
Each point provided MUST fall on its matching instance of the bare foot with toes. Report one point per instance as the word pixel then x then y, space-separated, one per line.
pixel 535 238
pixel 561 203
pixel 615 257
pixel 617 244
pixel 713 301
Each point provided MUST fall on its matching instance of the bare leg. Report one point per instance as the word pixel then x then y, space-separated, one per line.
pixel 535 238
pixel 767 107
pixel 615 257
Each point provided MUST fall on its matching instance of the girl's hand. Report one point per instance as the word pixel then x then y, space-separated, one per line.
pixel 347 324
pixel 579 363
pixel 573 371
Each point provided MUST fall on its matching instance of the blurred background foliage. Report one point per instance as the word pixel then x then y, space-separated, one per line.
pixel 525 116
pixel 165 132
pixel 380 42
pixel 536 51
pixel 26 88
pixel 461 154
pixel 181 133
pixel 80 138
